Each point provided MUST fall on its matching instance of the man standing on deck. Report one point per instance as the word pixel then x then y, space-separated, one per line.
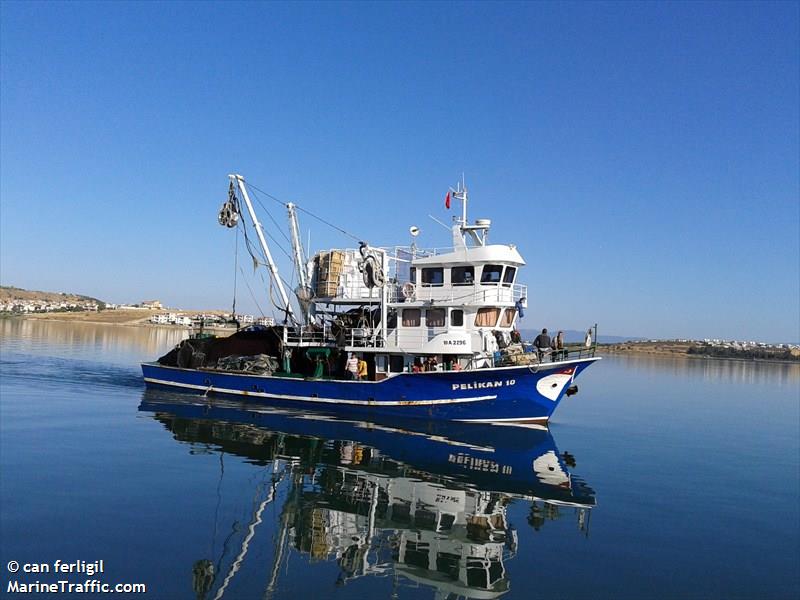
pixel 558 346
pixel 363 372
pixel 351 368
pixel 518 306
pixel 542 343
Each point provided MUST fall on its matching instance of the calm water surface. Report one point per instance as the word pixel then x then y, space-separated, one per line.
pixel 660 479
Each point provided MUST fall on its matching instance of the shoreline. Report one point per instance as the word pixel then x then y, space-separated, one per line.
pixel 650 353
pixel 142 322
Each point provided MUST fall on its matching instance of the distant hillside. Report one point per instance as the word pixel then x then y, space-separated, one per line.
pixel 754 351
pixel 10 293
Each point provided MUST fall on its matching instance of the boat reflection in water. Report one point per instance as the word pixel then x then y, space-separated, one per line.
pixel 416 500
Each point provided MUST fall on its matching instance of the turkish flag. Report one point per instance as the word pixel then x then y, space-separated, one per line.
pixel 447 200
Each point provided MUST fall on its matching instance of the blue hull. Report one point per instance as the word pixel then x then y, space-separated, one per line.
pixel 504 394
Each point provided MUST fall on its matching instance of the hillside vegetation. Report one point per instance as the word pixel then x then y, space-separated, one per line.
pixel 10 294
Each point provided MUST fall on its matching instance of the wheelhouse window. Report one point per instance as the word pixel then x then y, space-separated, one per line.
pixel 487 316
pixel 411 317
pixel 391 319
pixel 508 278
pixel 435 317
pixel 413 275
pixel 491 274
pixel 433 276
pixel 508 317
pixel 457 317
pixel 462 275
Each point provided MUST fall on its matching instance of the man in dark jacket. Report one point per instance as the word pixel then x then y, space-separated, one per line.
pixel 542 343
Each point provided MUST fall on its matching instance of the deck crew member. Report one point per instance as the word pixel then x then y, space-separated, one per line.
pixel 542 343
pixel 351 368
pixel 518 305
pixel 558 346
pixel 362 368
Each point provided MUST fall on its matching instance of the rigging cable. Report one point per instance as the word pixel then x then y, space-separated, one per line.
pixel 309 213
pixel 235 267
pixel 285 311
pixel 251 245
pixel 257 254
pixel 271 218
pixel 251 294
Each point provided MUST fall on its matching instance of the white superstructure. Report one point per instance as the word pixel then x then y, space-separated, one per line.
pixel 401 306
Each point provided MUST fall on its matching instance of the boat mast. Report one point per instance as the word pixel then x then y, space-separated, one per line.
pixel 303 290
pixel 273 269
pixel 461 194
pixel 297 247
pixel 478 232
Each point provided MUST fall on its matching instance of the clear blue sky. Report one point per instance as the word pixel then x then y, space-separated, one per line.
pixel 644 157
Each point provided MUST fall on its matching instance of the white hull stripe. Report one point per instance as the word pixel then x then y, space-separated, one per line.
pixel 512 420
pixel 206 388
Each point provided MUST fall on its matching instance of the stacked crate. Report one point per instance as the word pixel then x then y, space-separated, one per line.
pixel 328 267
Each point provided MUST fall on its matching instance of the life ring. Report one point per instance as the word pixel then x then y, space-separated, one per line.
pixel 408 290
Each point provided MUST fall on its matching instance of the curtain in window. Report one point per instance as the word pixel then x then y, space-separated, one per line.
pixel 487 317
pixel 411 317
pixel 434 317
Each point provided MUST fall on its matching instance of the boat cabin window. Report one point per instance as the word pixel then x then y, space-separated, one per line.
pixel 457 317
pixel 435 317
pixel 396 363
pixel 391 319
pixel 491 273
pixel 508 278
pixel 433 276
pixel 487 316
pixel 413 275
pixel 411 317
pixel 508 317
pixel 462 275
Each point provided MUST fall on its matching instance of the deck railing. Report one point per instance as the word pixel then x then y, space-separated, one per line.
pixel 467 294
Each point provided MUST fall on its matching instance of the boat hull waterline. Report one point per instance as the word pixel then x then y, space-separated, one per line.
pixel 517 394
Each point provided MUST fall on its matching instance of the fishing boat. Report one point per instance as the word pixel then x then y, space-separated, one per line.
pixel 394 331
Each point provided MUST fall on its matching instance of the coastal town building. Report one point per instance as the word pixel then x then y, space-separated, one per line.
pixel 720 343
pixel 209 320
pixel 35 306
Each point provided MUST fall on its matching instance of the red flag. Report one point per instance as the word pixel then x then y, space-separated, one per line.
pixel 447 200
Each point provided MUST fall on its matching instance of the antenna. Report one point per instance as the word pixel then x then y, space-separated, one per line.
pixel 414 231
